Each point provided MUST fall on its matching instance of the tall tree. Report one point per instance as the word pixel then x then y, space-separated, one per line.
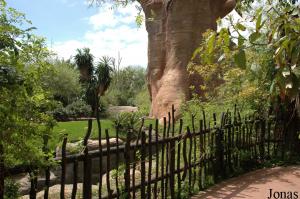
pixel 24 103
pixel 84 61
pixel 174 30
pixel 63 81
pixel 103 74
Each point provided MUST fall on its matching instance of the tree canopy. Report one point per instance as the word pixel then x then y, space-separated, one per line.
pixel 23 101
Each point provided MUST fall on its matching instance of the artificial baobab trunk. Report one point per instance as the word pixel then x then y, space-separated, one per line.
pixel 174 30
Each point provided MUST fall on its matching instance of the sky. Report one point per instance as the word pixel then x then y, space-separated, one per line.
pixel 71 24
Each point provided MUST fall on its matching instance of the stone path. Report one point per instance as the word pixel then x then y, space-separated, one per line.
pixel 257 184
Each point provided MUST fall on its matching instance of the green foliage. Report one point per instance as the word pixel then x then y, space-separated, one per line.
pixel 11 190
pixel 128 122
pixel 276 32
pixel 142 101
pixel 77 129
pixel 252 69
pixel 77 109
pixel 103 105
pixel 23 101
pixel 84 61
pixel 126 84
pixel 63 82
pixel 96 80
pixel 103 74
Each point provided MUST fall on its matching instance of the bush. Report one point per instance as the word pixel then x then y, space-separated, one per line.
pixel 103 103
pixel 142 101
pixel 74 110
pixel 11 190
pixel 63 81
pixel 197 108
pixel 128 121
pixel 126 84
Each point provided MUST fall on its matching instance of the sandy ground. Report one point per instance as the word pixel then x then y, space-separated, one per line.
pixel 257 184
pixel 120 109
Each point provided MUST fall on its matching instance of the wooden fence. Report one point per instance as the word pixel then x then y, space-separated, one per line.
pixel 169 160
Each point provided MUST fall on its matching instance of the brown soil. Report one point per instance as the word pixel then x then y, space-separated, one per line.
pixel 256 184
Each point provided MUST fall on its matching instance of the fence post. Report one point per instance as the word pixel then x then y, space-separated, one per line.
pixel 1 171
pixel 47 170
pixel 75 170
pixel 109 191
pixel 100 150
pixel 149 162
pixel 135 158
pixel 143 167
pixel 178 160
pixel 162 187
pixel 63 167
pixel 220 148
pixel 33 181
pixel 87 165
pixel 167 156
pixel 190 160
pixel 157 159
pixel 127 165
pixel 262 139
pixel 172 169
pixel 229 148
pixel 220 152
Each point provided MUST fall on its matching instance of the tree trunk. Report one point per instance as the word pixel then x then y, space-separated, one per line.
pixel 175 29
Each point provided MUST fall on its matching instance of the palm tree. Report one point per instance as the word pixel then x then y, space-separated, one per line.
pixel 84 61
pixel 103 74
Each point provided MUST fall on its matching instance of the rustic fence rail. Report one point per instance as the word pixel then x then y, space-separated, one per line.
pixel 168 163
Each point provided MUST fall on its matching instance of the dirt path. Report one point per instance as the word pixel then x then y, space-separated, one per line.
pixel 257 184
pixel 121 109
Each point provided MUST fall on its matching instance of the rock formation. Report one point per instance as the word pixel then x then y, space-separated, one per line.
pixel 174 30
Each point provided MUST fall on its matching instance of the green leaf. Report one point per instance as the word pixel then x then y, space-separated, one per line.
pixel 272 87
pixel 30 29
pixel 197 52
pixel 211 43
pixel 240 59
pixel 139 20
pixel 241 41
pixel 278 52
pixel 296 71
pixel 254 36
pixel 240 27
pixel 258 21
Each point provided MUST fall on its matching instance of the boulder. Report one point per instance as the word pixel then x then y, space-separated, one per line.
pixel 23 180
pixel 92 146
pixel 77 147
pixel 54 192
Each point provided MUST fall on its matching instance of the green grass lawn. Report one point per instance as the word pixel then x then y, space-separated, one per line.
pixel 76 130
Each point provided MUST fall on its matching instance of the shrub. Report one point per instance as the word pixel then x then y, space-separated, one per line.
pixel 128 121
pixel 126 84
pixel 142 101
pixel 76 109
pixel 103 103
pixel 11 190
pixel 63 81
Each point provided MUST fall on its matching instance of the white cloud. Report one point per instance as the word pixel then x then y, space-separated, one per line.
pixel 67 49
pixel 111 32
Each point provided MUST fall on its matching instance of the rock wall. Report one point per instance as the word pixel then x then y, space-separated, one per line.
pixel 174 30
